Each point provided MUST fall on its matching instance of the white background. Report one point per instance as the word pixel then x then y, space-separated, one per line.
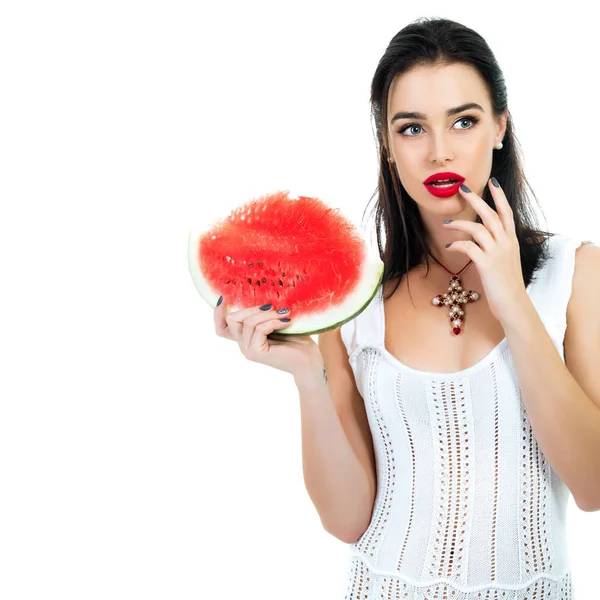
pixel 141 456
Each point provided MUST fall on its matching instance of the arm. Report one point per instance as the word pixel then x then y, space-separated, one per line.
pixel 563 404
pixel 338 457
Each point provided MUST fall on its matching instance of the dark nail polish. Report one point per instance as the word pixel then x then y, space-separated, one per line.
pixel 266 306
pixel 285 320
pixel 219 301
pixel 464 188
pixel 448 220
pixel 282 311
pixel 448 245
pixel 495 182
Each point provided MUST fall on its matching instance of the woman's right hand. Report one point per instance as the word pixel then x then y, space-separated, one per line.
pixel 249 327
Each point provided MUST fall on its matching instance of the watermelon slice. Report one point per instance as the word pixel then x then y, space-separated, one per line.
pixel 293 252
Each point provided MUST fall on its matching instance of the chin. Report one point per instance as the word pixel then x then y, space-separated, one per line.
pixel 455 199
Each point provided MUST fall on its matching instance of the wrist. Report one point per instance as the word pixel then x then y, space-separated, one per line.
pixel 519 316
pixel 311 378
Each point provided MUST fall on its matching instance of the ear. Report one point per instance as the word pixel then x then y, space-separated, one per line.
pixel 501 125
pixel 385 148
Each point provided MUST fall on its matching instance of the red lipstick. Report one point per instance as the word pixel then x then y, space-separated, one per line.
pixel 443 191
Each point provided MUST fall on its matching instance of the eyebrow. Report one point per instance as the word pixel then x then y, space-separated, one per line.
pixel 449 112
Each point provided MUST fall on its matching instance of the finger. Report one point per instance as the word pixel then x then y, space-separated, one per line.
pixel 488 215
pixel 505 211
pixel 256 319
pixel 221 327
pixel 471 249
pixel 477 230
pixel 260 333
pixel 251 322
pixel 235 320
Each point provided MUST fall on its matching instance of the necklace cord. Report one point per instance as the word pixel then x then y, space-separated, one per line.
pixel 451 273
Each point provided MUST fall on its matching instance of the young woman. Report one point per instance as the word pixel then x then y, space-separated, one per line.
pixel 444 427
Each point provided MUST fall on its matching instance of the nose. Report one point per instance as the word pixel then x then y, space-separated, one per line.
pixel 440 151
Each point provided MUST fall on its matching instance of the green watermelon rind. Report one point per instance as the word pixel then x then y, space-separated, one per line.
pixel 354 304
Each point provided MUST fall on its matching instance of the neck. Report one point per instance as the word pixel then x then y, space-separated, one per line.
pixel 438 236
pixel 444 267
pixel 438 278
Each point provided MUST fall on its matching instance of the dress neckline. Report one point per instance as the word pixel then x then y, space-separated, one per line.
pixel 484 361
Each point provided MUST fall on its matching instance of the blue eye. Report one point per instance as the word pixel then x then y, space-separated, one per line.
pixel 472 120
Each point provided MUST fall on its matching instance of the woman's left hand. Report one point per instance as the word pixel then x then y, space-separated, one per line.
pixel 497 257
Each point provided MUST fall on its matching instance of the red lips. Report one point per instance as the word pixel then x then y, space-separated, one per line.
pixel 444 175
pixel 443 192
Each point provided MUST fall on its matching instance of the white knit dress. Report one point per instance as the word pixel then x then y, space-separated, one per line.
pixel 458 465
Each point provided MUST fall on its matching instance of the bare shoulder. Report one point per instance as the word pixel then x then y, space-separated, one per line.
pixel 335 356
pixel 586 279
pixel 582 335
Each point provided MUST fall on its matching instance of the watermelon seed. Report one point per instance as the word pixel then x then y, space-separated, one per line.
pixel 228 281
pixel 250 264
pixel 260 264
pixel 264 280
pixel 249 280
pixel 280 282
pixel 283 274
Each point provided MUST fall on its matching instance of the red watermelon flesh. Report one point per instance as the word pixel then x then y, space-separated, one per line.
pixel 292 252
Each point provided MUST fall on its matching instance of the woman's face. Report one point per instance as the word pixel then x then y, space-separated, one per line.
pixel 461 143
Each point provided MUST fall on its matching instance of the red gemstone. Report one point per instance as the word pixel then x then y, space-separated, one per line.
pixel 456 330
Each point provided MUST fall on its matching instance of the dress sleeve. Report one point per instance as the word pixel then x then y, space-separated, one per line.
pixel 348 332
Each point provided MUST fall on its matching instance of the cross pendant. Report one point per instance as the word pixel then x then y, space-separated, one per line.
pixel 455 298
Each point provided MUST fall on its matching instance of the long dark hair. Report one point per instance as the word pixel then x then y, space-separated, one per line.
pixel 430 42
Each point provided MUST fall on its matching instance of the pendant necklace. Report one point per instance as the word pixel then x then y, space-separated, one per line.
pixel 455 298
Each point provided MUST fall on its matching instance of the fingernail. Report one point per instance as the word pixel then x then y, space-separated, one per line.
pixel 448 245
pixel 448 220
pixel 285 320
pixel 266 306
pixel 219 301
pixel 282 311
pixel 495 182
pixel 464 188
